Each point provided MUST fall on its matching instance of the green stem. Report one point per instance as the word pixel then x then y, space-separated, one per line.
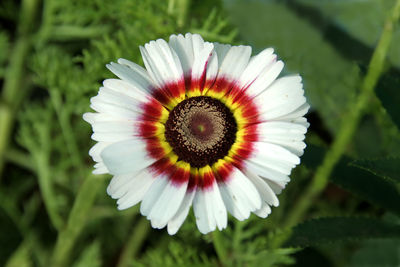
pixel 47 23
pixel 19 158
pixel 22 255
pixel 349 123
pixel 76 221
pixel 46 188
pixel 66 129
pixel 14 77
pixel 219 247
pixel 134 243
pixel 237 235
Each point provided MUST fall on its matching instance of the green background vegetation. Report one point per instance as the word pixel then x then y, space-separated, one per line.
pixel 342 206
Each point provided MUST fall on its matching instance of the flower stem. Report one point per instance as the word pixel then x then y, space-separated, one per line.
pixel 76 221
pixel 70 141
pixel 219 247
pixel 349 124
pixel 14 77
pixel 46 188
pixel 20 158
pixel 134 243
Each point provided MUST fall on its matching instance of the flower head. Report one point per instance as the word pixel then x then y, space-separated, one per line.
pixel 205 124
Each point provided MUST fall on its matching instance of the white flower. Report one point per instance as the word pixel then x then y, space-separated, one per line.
pixel 204 124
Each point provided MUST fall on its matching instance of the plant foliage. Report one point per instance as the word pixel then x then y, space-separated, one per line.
pixel 54 212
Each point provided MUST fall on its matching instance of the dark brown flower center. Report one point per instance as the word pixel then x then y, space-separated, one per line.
pixel 201 130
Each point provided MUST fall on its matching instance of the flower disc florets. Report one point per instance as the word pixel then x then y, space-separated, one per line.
pixel 201 130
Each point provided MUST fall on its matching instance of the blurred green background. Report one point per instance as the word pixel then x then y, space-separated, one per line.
pixel 54 212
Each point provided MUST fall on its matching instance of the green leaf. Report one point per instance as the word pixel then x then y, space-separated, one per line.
pixel 330 80
pixel 387 91
pixel 388 168
pixel 327 230
pixel 358 181
pixel 367 186
pixel 366 28
pixel 377 252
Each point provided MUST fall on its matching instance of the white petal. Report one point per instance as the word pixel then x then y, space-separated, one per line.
pixel 264 80
pixel 112 136
pixel 162 63
pixel 137 76
pixel 285 108
pixel 113 127
pixel 167 204
pixel 121 184
pixel 108 95
pixel 126 156
pixel 176 222
pixel 218 207
pixel 112 109
pixel 284 96
pixel 264 211
pixel 282 128
pixel 100 168
pixel 209 210
pixel 118 182
pixel 240 195
pixel 221 50
pixel 293 116
pixel 234 62
pixel 138 69
pixel 96 117
pixel 204 219
pixel 153 194
pixel 89 117
pixel 186 48
pixel 212 69
pixel 233 203
pixel 274 157
pixel 300 120
pixel 200 62
pixel 277 187
pixel 266 172
pixel 286 134
pixel 95 151
pixel 257 66
pixel 263 188
pixel 130 189
pixel 115 131
pixel 126 88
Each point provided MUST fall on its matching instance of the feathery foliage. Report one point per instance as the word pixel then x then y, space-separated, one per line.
pixel 54 212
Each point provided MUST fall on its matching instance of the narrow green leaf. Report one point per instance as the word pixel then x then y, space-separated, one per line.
pixel 367 186
pixel 388 168
pixel 358 181
pixel 327 230
pixel 387 91
pixel 377 252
